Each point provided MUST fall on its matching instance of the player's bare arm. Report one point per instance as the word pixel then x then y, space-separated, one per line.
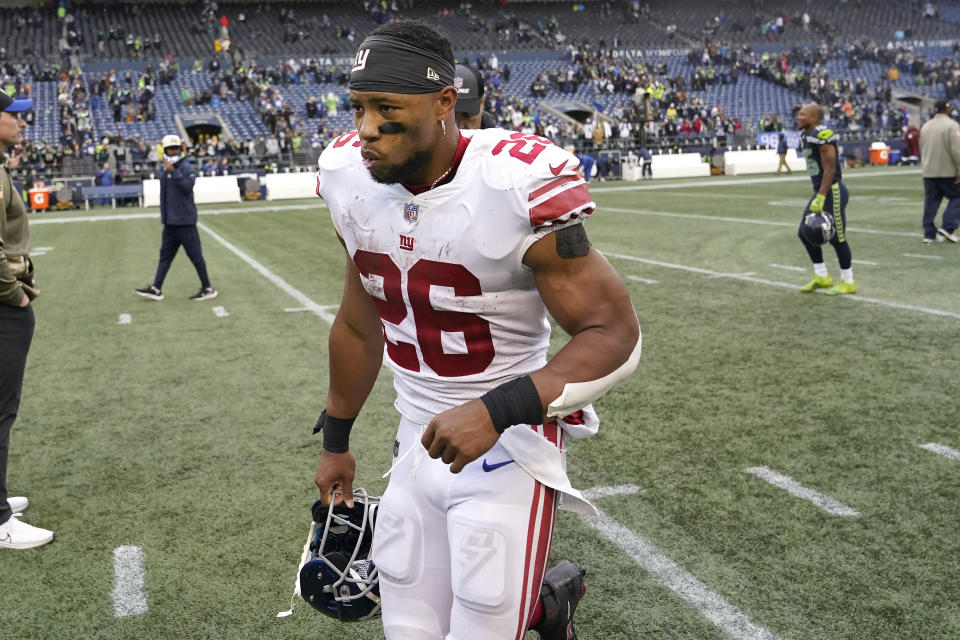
pixel 828 156
pixel 356 352
pixel 589 301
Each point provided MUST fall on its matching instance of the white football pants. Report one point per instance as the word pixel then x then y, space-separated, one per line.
pixel 461 556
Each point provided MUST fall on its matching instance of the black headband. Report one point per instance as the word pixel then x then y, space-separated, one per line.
pixel 392 65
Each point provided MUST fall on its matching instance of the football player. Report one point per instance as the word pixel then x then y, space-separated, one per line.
pixel 457 248
pixel 830 199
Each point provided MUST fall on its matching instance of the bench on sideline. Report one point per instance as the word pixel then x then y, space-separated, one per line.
pixel 113 192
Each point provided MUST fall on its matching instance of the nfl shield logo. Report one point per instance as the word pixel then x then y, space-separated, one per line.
pixel 411 211
pixel 457 82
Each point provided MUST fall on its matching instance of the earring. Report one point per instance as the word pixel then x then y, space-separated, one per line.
pixel 443 129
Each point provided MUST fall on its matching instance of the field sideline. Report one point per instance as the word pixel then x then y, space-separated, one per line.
pixel 780 466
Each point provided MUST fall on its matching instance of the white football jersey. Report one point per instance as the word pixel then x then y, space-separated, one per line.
pixel 461 312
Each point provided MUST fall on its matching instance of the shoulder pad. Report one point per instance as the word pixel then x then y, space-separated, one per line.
pixel 342 151
pixel 544 176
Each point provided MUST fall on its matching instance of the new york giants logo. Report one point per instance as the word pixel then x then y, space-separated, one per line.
pixel 411 211
pixel 406 243
pixel 361 62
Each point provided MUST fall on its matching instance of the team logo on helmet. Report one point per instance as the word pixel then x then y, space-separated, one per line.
pixel 817 228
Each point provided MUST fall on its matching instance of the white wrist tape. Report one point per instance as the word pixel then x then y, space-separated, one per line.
pixel 577 395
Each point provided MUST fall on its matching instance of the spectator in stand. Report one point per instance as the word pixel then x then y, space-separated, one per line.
pixel 272 147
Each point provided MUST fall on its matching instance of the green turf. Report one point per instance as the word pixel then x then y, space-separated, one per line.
pixel 188 434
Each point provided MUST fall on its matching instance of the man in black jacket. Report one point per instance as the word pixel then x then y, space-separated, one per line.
pixel 178 213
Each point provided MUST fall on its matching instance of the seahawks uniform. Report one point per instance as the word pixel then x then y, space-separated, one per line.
pixel 837 196
pixel 461 314
pixel 835 204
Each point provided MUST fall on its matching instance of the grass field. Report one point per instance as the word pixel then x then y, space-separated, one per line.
pixel 187 433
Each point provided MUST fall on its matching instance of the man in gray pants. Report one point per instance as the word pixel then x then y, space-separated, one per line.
pixel 17 289
pixel 940 157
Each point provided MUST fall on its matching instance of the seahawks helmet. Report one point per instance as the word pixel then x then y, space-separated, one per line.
pixel 817 228
pixel 337 577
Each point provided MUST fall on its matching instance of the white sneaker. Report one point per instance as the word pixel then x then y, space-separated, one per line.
pixel 20 535
pixel 948 235
pixel 18 503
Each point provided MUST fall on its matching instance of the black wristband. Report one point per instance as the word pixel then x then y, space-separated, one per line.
pixel 336 432
pixel 513 402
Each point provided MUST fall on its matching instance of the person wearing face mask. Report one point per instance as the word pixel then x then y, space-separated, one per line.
pixel 178 213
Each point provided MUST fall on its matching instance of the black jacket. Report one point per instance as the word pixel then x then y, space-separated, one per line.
pixel 176 194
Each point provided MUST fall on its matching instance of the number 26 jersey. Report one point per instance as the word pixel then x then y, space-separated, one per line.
pixel 460 311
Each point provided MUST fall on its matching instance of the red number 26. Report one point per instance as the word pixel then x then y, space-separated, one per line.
pixel 430 322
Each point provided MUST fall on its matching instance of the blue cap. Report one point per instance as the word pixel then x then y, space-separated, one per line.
pixel 12 105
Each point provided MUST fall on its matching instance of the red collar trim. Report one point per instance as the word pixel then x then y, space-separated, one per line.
pixel 457 157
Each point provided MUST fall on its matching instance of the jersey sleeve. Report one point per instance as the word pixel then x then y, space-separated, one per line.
pixel 338 155
pixel 556 193
pixel 821 136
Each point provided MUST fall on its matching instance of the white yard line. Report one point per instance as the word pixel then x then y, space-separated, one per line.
pixel 797 490
pixel 298 295
pixel 124 318
pixel 787 267
pixel 220 312
pixel 942 450
pixel 639 279
pixel 756 221
pixel 921 256
pixel 783 285
pixel 129 593
pixel 867 262
pixel 614 490
pixel 713 182
pixel 669 574
pixel 203 212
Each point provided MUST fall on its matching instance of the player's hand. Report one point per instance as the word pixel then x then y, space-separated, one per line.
pixel 335 471
pixel 816 205
pixel 460 435
pixel 167 165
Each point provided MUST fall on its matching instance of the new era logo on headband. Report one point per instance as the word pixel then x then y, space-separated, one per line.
pixel 361 62
pixel 431 74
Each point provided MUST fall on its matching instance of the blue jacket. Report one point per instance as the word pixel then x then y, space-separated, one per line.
pixel 176 194
pixel 782 145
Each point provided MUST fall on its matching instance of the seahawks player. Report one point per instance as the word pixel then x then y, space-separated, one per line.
pixel 823 165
